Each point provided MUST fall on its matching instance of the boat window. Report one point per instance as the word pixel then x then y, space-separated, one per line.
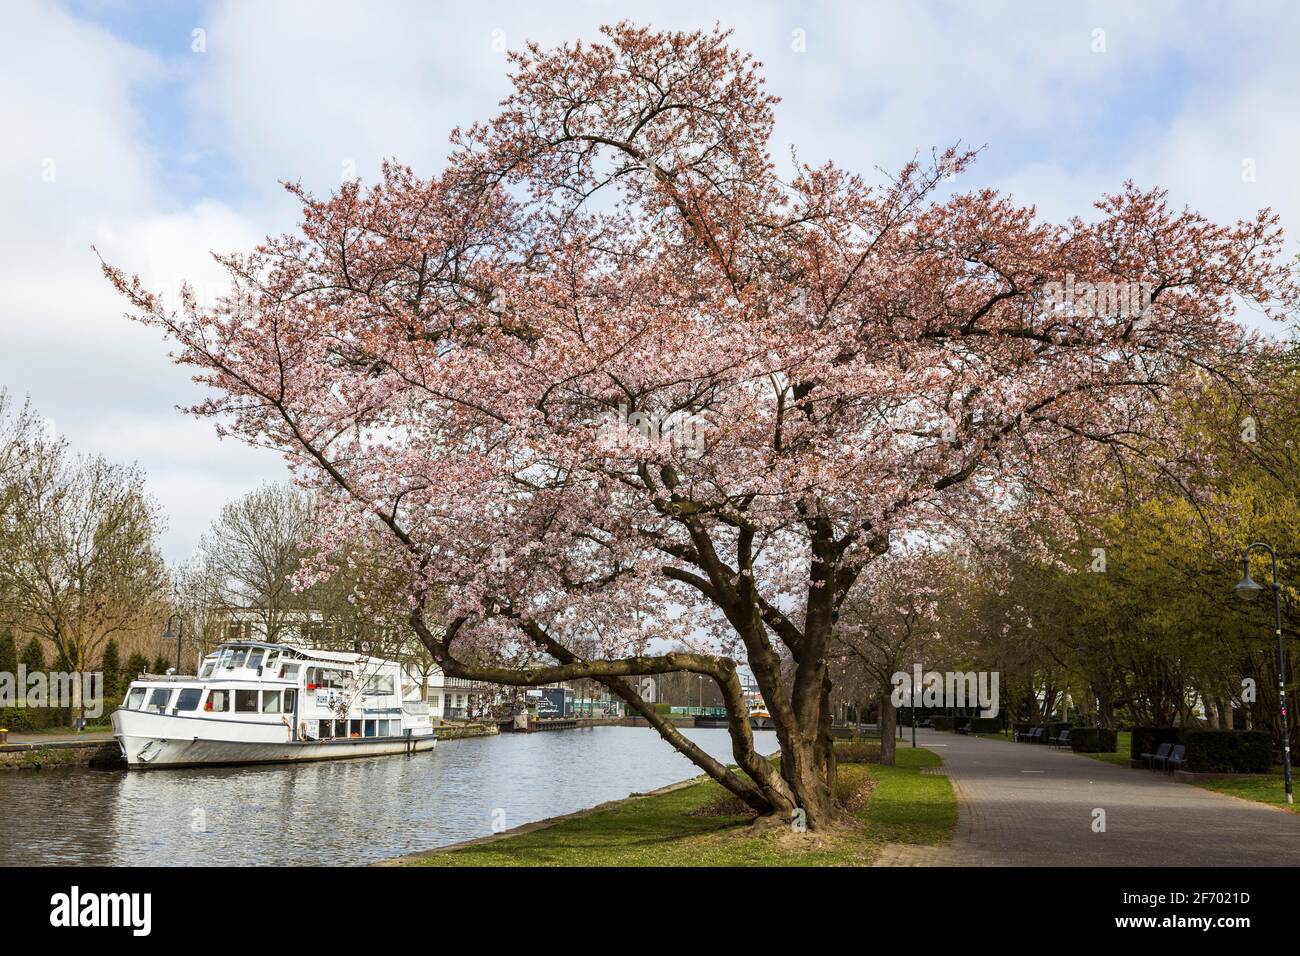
pixel 245 701
pixel 158 699
pixel 189 698
pixel 241 655
pixel 326 729
pixel 208 668
pixel 271 658
pixel 383 728
pixel 335 680
pixel 340 728
pixel 289 671
pixel 255 658
pixel 227 656
pixel 370 729
pixel 270 701
pixel 135 698
pixel 290 699
pixel 380 684
pixel 218 702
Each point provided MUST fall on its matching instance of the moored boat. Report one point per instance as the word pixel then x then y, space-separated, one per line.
pixel 255 702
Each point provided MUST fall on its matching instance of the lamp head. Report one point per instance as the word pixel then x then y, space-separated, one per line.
pixel 1247 589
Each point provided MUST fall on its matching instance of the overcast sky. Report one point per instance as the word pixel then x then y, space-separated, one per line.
pixel 160 131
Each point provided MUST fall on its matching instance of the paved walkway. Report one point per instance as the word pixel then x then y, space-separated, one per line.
pixel 100 736
pixel 1031 805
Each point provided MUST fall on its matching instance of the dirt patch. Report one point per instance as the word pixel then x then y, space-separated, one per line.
pixel 852 792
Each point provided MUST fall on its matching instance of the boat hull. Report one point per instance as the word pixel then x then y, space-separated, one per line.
pixel 156 741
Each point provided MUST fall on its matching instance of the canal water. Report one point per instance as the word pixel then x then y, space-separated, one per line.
pixel 337 812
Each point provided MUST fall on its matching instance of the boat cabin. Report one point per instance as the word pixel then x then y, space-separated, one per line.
pixel 315 695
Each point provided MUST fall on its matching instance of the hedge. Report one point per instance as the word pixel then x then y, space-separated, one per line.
pixel 942 723
pixel 1147 740
pixel 1084 740
pixel 1227 751
pixel 986 725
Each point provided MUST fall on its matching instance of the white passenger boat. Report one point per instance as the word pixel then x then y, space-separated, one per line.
pixel 254 702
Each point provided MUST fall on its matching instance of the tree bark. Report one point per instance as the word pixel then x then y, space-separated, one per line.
pixel 888 728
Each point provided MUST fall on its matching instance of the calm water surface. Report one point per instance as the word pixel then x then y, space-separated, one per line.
pixel 346 811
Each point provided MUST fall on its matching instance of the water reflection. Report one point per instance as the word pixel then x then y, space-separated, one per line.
pixel 350 811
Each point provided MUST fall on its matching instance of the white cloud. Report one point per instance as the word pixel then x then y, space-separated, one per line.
pixel 289 91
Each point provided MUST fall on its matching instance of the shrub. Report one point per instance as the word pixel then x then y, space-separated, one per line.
pixel 986 725
pixel 28 719
pixel 944 723
pixel 857 752
pixel 1084 740
pixel 1147 740
pixel 1228 751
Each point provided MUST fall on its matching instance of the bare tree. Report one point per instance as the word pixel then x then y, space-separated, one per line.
pixel 253 550
pixel 79 541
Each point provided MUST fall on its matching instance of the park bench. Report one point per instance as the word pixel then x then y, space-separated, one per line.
pixel 1060 740
pixel 964 728
pixel 1175 757
pixel 1034 736
pixel 1161 754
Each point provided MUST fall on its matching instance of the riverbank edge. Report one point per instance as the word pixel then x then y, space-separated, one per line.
pixel 544 824
pixel 103 754
pixel 929 759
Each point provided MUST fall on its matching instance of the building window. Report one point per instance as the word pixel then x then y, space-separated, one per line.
pixel 380 684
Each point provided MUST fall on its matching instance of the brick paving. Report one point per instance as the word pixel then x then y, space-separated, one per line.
pixel 1030 805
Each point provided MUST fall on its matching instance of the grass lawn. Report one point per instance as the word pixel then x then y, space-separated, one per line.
pixel 904 806
pixel 1120 757
pixel 1260 787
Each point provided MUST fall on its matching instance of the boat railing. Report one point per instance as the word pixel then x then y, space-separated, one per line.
pixel 167 678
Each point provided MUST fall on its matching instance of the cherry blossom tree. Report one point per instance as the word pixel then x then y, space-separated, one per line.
pixel 611 382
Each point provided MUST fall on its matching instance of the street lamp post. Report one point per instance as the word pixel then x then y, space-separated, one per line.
pixel 1249 590
pixel 914 692
pixel 178 635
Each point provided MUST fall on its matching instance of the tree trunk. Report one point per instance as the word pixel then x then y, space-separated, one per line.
pixel 888 729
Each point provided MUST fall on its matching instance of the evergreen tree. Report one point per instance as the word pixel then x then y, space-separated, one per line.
pixel 136 665
pixel 111 667
pixel 33 656
pixel 8 652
